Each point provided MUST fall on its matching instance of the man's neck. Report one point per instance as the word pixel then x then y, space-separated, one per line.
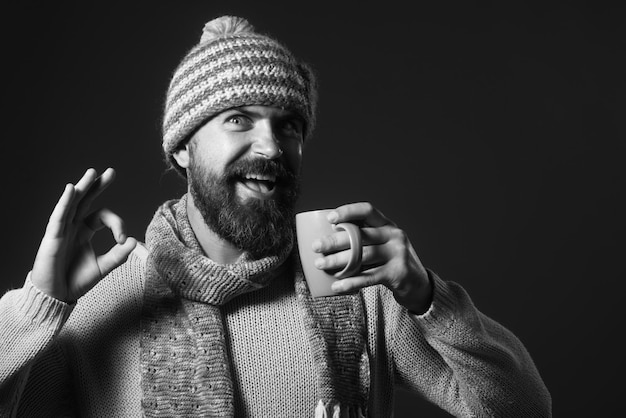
pixel 216 248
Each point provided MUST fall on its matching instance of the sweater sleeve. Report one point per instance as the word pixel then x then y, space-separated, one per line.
pixel 29 322
pixel 464 361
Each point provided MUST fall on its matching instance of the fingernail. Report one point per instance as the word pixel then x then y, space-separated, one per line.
pixel 319 263
pixel 337 286
pixel 332 217
pixel 317 246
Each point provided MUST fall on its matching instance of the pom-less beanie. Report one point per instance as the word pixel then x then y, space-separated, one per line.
pixel 234 66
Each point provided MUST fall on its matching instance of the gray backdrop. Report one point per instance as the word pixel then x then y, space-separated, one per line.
pixel 493 134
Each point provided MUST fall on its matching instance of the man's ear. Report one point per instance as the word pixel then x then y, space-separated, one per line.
pixel 181 155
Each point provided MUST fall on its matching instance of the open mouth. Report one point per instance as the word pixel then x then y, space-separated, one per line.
pixel 263 184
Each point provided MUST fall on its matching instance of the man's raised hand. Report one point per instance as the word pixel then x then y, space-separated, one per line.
pixel 66 266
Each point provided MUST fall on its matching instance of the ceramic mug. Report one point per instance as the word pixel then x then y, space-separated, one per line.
pixel 313 225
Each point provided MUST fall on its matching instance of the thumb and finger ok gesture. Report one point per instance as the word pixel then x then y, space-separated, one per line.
pixel 388 257
pixel 66 266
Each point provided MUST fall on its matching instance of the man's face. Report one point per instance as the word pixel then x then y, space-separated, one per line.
pixel 243 173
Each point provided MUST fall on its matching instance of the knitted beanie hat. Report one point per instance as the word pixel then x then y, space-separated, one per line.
pixel 234 66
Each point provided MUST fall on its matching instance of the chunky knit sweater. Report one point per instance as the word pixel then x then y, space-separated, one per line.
pixel 83 360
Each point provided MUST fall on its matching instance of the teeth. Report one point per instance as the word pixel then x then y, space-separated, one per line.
pixel 262 177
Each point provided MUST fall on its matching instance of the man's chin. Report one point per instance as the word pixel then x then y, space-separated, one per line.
pixel 257 218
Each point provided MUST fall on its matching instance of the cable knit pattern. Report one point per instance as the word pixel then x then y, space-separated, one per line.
pixel 184 355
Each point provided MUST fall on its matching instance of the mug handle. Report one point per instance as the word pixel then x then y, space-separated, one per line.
pixel 356 249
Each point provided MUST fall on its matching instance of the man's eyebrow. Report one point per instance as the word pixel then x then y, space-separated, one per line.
pixel 247 112
pixel 287 113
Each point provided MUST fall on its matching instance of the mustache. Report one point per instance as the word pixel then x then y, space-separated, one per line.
pixel 284 174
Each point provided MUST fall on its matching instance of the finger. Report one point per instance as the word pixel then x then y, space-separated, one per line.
pixel 97 186
pixel 80 188
pixel 89 177
pixel 106 218
pixel 58 217
pixel 355 283
pixel 115 256
pixel 372 256
pixel 340 240
pixel 359 212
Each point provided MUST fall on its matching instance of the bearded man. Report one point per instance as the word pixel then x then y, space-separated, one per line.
pixel 212 316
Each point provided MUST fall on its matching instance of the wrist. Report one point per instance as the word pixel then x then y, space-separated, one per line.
pixel 419 300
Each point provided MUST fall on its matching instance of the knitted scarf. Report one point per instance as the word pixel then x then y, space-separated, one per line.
pixel 185 363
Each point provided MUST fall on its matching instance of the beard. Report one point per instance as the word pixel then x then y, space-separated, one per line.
pixel 262 227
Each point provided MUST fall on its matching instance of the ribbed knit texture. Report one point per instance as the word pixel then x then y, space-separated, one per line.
pixel 45 316
pixel 185 362
pixel 234 66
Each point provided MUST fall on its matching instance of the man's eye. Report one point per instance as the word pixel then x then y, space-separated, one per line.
pixel 236 119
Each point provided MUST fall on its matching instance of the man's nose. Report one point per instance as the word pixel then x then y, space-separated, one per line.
pixel 265 143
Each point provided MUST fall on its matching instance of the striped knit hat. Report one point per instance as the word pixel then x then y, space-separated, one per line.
pixel 234 66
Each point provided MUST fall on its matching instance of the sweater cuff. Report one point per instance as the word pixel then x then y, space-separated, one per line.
pixel 440 314
pixel 40 308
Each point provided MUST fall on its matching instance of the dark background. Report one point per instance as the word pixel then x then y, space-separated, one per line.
pixel 492 132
